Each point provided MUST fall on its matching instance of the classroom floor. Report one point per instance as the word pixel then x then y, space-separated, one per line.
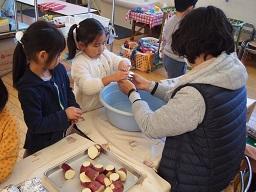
pixel 14 106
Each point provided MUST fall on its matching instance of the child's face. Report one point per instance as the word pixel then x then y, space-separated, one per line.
pixel 55 61
pixel 96 48
pixel 42 59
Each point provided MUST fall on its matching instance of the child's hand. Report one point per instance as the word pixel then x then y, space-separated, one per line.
pixel 120 75
pixel 125 86
pixel 124 66
pixel 73 113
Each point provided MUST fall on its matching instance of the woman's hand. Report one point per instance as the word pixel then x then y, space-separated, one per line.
pixel 125 86
pixel 140 82
pixel 124 65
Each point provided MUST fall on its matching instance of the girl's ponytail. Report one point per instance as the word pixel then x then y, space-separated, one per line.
pixel 19 64
pixel 71 42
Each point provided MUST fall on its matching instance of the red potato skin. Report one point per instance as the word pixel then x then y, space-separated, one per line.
pixel 101 178
pixel 118 190
pixel 99 147
pixel 91 173
pixel 118 185
pixel 84 169
pixel 100 170
pixel 65 167
pixel 108 172
pixel 85 184
pixel 96 186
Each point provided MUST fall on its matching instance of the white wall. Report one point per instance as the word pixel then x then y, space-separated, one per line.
pixel 238 9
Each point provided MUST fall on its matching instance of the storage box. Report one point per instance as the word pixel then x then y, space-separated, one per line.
pixel 4 25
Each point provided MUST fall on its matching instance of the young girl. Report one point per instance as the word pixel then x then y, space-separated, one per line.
pixel 46 98
pixel 174 64
pixel 9 140
pixel 93 67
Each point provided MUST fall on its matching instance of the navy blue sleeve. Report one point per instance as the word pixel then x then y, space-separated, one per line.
pixel 37 123
pixel 70 94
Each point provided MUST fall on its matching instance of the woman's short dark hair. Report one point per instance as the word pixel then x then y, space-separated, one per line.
pixel 205 30
pixel 3 95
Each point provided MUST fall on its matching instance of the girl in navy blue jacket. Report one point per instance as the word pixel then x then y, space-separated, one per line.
pixel 46 98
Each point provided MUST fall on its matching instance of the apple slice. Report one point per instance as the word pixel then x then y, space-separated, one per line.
pixel 69 173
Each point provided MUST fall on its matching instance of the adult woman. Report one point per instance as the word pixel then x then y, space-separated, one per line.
pixel 205 118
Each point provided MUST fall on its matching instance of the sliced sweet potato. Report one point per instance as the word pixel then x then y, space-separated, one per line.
pixel 103 180
pixel 96 186
pixel 91 173
pixel 99 168
pixel 84 179
pixel 69 173
pixel 93 152
pixel 122 172
pixel 114 177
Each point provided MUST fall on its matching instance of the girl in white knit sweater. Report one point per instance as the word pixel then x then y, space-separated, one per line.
pixel 93 66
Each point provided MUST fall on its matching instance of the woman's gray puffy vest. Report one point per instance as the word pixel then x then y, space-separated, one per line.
pixel 209 157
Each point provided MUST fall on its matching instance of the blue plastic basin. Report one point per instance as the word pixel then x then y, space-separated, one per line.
pixel 119 108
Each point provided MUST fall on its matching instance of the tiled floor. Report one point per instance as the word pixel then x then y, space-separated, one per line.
pixel 14 105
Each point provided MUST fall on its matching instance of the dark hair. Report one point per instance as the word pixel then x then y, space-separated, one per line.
pixel 183 5
pixel 205 30
pixel 86 32
pixel 40 36
pixel 3 95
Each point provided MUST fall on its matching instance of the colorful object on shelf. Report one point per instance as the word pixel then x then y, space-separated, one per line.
pixel 51 6
pixel 150 10
pixel 47 17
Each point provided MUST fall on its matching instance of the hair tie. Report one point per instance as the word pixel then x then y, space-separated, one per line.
pixel 19 36
pixel 75 36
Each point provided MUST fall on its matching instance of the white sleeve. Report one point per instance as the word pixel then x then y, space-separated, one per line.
pixel 84 80
pixel 115 59
pixel 181 114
